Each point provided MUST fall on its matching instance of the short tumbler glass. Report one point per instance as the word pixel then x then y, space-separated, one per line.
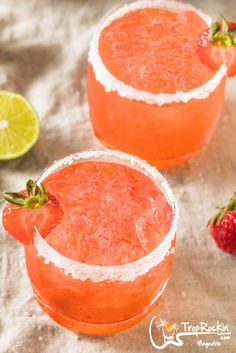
pixel 101 299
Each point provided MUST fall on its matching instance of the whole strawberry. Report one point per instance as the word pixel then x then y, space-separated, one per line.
pixel 223 227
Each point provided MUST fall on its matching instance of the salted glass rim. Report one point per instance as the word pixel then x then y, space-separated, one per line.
pixel 81 270
pixel 111 83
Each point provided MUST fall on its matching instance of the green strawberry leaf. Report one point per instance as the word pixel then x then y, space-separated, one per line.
pixel 37 196
pixel 224 24
pixel 15 198
pixel 30 187
pixel 214 28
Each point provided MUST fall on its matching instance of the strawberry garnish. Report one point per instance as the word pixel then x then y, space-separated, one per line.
pixel 30 208
pixel 217 46
pixel 223 227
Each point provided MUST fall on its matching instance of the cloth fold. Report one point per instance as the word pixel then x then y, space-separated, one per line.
pixel 43 55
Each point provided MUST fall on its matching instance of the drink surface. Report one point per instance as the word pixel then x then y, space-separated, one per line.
pixel 154 50
pixel 113 214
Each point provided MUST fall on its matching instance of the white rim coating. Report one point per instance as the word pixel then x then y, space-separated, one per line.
pixel 131 270
pixel 111 83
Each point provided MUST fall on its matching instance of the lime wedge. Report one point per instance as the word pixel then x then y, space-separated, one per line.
pixel 19 126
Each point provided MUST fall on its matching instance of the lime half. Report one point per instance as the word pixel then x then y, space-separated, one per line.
pixel 19 126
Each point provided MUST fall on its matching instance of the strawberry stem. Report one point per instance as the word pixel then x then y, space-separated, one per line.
pixel 37 196
pixel 222 33
pixel 223 210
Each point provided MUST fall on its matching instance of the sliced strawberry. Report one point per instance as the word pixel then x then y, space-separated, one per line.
pixel 28 209
pixel 217 46
pixel 214 56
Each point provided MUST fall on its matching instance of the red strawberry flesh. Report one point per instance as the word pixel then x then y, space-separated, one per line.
pixel 217 46
pixel 34 209
pixel 223 227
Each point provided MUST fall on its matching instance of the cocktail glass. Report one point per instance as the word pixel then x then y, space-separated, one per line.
pixel 165 127
pixel 101 299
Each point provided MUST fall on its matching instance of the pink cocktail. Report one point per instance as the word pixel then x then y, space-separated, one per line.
pixel 105 266
pixel 149 92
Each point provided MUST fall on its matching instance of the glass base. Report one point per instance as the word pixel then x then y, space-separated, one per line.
pixel 90 328
pixel 164 163
pixel 172 162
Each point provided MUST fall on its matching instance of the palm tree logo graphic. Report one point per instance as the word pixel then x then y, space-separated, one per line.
pixel 167 328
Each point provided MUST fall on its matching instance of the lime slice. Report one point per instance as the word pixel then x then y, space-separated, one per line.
pixel 19 126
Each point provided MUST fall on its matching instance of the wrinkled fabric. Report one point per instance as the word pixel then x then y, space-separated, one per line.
pixel 43 55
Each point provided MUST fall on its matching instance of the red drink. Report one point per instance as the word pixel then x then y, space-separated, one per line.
pixel 149 93
pixel 103 268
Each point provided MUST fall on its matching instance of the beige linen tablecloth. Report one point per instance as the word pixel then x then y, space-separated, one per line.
pixel 43 55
